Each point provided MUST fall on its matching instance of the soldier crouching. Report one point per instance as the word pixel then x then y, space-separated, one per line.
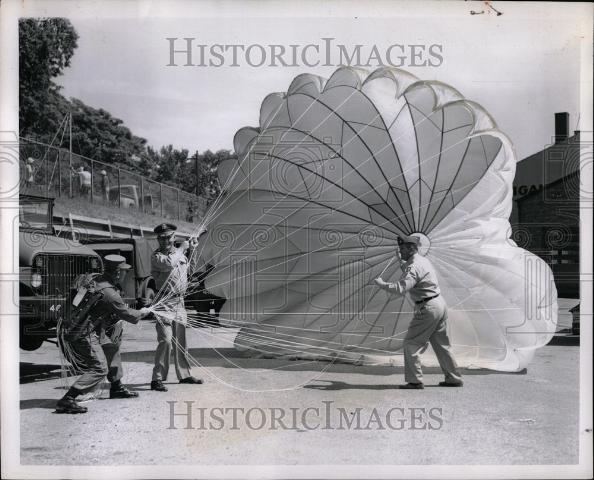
pixel 94 344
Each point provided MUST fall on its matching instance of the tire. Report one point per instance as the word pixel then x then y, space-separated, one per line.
pixel 29 341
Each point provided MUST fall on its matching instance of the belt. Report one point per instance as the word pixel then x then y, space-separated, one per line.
pixel 427 299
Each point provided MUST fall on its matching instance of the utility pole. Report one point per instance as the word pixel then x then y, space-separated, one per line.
pixel 70 154
pixel 197 171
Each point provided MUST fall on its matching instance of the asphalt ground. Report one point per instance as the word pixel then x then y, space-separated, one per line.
pixel 529 417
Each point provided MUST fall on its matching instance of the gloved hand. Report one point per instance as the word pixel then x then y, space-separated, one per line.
pixel 145 312
pixel 380 282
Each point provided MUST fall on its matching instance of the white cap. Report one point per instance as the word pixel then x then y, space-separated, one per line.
pixel 412 238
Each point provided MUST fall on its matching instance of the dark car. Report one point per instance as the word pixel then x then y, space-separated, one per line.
pixel 138 287
pixel 48 266
pixel 206 304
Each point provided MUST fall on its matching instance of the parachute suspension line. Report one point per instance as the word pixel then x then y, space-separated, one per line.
pixel 305 253
pixel 366 160
pixel 386 267
pixel 209 217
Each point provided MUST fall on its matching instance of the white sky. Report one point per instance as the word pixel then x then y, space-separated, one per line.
pixel 522 67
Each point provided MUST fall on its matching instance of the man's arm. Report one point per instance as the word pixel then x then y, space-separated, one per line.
pixel 164 262
pixel 117 307
pixel 407 281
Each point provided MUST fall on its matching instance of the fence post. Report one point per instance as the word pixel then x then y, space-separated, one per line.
pixel 141 194
pixel 59 173
pixel 178 205
pixel 70 154
pixel 161 196
pixel 92 169
pixel 119 190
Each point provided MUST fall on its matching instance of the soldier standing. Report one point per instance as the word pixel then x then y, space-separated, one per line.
pixel 95 344
pixel 429 320
pixel 169 268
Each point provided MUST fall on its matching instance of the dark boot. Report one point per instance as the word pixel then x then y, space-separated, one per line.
pixel 412 386
pixel 451 384
pixel 68 404
pixel 158 386
pixel 191 380
pixel 120 391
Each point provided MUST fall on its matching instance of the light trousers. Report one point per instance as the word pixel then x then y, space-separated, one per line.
pixel 428 326
pixel 172 336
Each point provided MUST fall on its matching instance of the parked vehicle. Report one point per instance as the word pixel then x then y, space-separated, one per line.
pixel 203 301
pixel 48 266
pixel 575 320
pixel 129 196
pixel 138 287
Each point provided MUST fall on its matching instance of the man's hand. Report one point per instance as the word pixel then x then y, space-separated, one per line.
pixel 193 242
pixel 380 283
pixel 145 312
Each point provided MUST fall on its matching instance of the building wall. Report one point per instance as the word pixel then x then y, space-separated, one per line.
pixel 548 225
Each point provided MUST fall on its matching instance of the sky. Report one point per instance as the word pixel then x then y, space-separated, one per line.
pixel 521 67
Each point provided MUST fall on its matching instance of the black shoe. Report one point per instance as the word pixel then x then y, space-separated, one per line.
pixel 412 386
pixel 121 392
pixel 69 405
pixel 451 384
pixel 192 380
pixel 158 386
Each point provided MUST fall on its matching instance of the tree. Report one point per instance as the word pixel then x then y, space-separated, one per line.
pixel 46 46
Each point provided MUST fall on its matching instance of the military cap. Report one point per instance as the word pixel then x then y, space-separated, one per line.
pixel 112 262
pixel 412 238
pixel 165 229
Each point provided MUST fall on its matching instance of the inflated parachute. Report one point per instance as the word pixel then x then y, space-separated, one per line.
pixel 312 207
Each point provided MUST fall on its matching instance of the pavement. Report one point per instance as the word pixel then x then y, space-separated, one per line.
pixel 302 413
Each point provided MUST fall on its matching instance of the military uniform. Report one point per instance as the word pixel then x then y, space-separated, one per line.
pixel 94 347
pixel 169 268
pixel 98 352
pixel 429 320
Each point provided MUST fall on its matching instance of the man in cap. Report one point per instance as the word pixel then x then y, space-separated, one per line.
pixel 30 174
pixel 95 346
pixel 169 268
pixel 104 186
pixel 430 315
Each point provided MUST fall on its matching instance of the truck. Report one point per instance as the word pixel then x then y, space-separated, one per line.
pixel 48 266
pixel 138 286
pixel 129 196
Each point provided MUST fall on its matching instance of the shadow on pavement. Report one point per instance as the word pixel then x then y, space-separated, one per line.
pixel 338 385
pixel 32 372
pixel 49 403
pixel 232 358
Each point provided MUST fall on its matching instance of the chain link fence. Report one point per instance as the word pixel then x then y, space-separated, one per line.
pixel 55 172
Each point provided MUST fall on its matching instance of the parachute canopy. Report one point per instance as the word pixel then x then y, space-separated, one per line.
pixel 312 207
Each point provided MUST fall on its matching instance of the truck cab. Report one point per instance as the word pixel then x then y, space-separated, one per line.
pixel 48 266
pixel 138 286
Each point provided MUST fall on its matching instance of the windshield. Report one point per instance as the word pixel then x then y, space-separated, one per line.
pixel 35 214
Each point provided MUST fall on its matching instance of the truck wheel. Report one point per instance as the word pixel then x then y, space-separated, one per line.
pixel 29 341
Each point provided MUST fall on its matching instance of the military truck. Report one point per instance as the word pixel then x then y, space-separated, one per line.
pixel 48 265
pixel 138 286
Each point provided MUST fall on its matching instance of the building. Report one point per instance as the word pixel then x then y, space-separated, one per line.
pixel 545 217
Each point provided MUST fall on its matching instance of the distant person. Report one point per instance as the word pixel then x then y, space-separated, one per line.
pixel 29 173
pixel 104 186
pixel 190 213
pixel 429 319
pixel 84 178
